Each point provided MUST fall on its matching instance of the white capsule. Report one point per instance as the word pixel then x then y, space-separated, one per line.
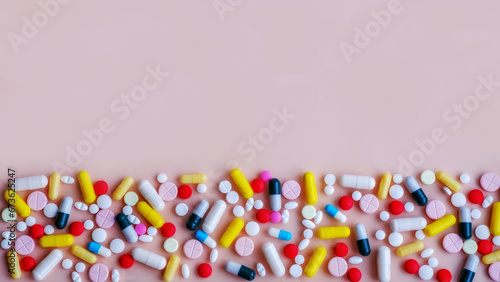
pixel 357 181
pixel 81 206
pixel 149 258
pixel 273 258
pixel 47 264
pixel 214 216
pixel 408 224
pixel 151 195
pixel 213 255
pixel 185 271
pixel 31 182
pixel 384 264
pixel 76 277
pixel 115 275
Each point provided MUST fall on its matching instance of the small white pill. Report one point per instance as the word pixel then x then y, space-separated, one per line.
pixel 214 254
pixel 145 238
pixel 80 267
pixel 425 272
pixel 290 205
pixel 409 207
pixel 232 197
pixel 93 209
pixel 5 244
pixel 427 177
pixel 395 239
pixel 258 204
pixel 380 235
pixel 81 206
pixel 7 234
pixel 458 200
pixel 303 244
pixel 115 275
pixel 355 260
pixel 49 229
pixel 330 179
pixel 464 178
pixel 171 245
pixel 308 233
pixel 181 209
pixel 299 259
pixel 201 188
pixel 76 277
pixel 21 226
pixel 285 216
pixel 104 202
pixel 396 192
pixel 88 224
pixel 162 178
pixel 30 221
pixel 318 218
pixel 127 210
pixel 50 210
pixel 99 235
pixel 397 178
pixel 487 201
pixel 384 216
pixel 308 211
pixel 67 264
pixel 117 246
pixel 308 224
pixel 252 228
pixel 447 191
pixel 185 271
pixel 238 211
pixel 475 214
pixel 433 262
pixel 249 204
pixel 329 190
pixel 131 198
pixel 420 235
pixel 67 179
pixel 225 186
pixel 295 271
pixel 261 269
pixel 427 253
pixel 356 195
pixel 496 240
pixel 482 232
pixel 133 219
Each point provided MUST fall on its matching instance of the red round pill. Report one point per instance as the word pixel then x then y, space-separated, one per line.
pixel 476 196
pixel 36 231
pixel 100 187
pixel 263 216
pixel 346 203
pixel 396 207
pixel 484 247
pixel 168 229
pixel 27 263
pixel 76 228
pixel 126 261
pixel 291 251
pixel 340 249
pixel 185 192
pixel 258 185
pixel 204 270
pixel 354 275
pixel 443 275
pixel 411 266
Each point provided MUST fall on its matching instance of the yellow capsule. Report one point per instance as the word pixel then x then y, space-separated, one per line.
pixel 150 214
pixel 333 232
pixel 385 183
pixel 495 220
pixel 172 265
pixel 410 249
pixel 440 225
pixel 311 190
pixel 13 199
pixel 86 186
pixel 122 188
pixel 315 261
pixel 242 183
pixel 193 178
pixel 83 254
pixel 231 232
pixel 491 257
pixel 13 264
pixel 59 240
pixel 54 183
pixel 449 181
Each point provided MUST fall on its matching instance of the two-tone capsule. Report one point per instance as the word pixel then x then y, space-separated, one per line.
pixel 465 224
pixel 362 242
pixel 416 192
pixel 469 270
pixel 195 218
pixel 275 194
pixel 99 249
pixel 63 212
pixel 280 234
pixel 126 228
pixel 335 213
pixel 205 239
pixel 240 270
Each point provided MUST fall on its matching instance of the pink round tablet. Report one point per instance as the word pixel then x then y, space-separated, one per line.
pixel 140 229
pixel 290 189
pixel 24 245
pixel 275 217
pixel 435 209
pixel 266 175
pixel 193 249
pixel 452 243
pixel 337 266
pixel 168 191
pixel 98 272
pixel 37 201
pixel 105 218
pixel 494 271
pixel 368 203
pixel 490 181
pixel 244 246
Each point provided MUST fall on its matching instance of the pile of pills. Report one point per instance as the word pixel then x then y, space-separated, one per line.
pixel 141 220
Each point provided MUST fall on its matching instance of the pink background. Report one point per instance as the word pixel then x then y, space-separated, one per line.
pixel 227 75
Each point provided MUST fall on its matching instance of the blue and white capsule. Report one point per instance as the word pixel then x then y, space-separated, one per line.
pixel 99 249
pixel 362 242
pixel 275 194
pixel 465 224
pixel 469 270
pixel 205 239
pixel 63 212
pixel 126 227
pixel 280 234
pixel 335 213
pixel 416 192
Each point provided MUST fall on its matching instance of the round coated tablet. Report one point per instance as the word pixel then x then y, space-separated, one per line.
pixel 37 201
pixel 30 221
pixel 21 226
pixel 50 210
pixel 396 192
pixel 152 231
pixel 409 207
pixel 368 203
pixel 192 249
pixel 181 209
pixel 490 181
pixel 482 232
pixel 88 224
pixel 308 233
pixel 24 245
pixel 8 215
pixel 355 260
pixel 494 271
pixel 258 204
pixel 290 205
pixel 420 235
pixel 131 198
pixel 80 267
pixel 395 239
pixel 295 270
pixel 98 272
pixel 356 195
pixel 252 228
pixel 384 216
pixel 290 189
pixel 425 272
pixel 308 211
pixel 452 243
pixel 6 244
pixel 162 177
pixel 275 217
pixel 225 186
pixel 168 191
pixel 104 201
pixel 458 200
pixel 99 235
pixel 427 177
pixel 464 178
pixel 232 197
pixel 238 211
pixel 470 247
pixel 201 188
pixel 140 229
pixel 380 235
pixel 127 210
pixel 299 259
pixel 329 190
pixel 171 245
pixel 397 178
pixel 266 175
pixel 435 209
pixel 93 209
pixel 244 246
pixel 433 262
pixel 67 179
pixel 117 246
pixel 105 218
pixel 496 240
pixel 48 229
pixel 337 266
pixel 67 264
pixel 330 179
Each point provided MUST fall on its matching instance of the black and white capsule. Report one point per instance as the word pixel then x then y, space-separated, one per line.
pixel 465 224
pixel 195 218
pixel 63 212
pixel 240 270
pixel 469 270
pixel 416 192
pixel 362 242
pixel 275 194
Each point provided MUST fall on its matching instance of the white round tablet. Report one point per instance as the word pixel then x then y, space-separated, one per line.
pixel 420 235
pixel 181 209
pixel 258 204
pixel 464 178
pixel 397 178
pixel 131 198
pixel 117 246
pixel 201 188
pixel 238 211
pixel 104 202
pixel 99 235
pixel 329 190
pixel 30 221
pixel 225 186
pixel 88 224
pixel 396 191
pixel 425 272
pixel 496 240
pixel 330 179
pixel 482 232
pixel 409 207
pixel 6 244
pixel 395 239
pixel 380 235
pixel 427 177
pixel 67 264
pixel 299 259
pixel 384 216
pixel 458 200
pixel 50 210
pixel 433 262
pixel 80 267
pixel 252 228
pixel 356 195
pixel 21 226
pixel 170 245
pixel 232 197
pixel 475 214
pixel 152 231
pixel 127 210
pixel 93 209
pixel 308 211
pixel 296 270
pixel 308 233
pixel 49 229
pixel 162 178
